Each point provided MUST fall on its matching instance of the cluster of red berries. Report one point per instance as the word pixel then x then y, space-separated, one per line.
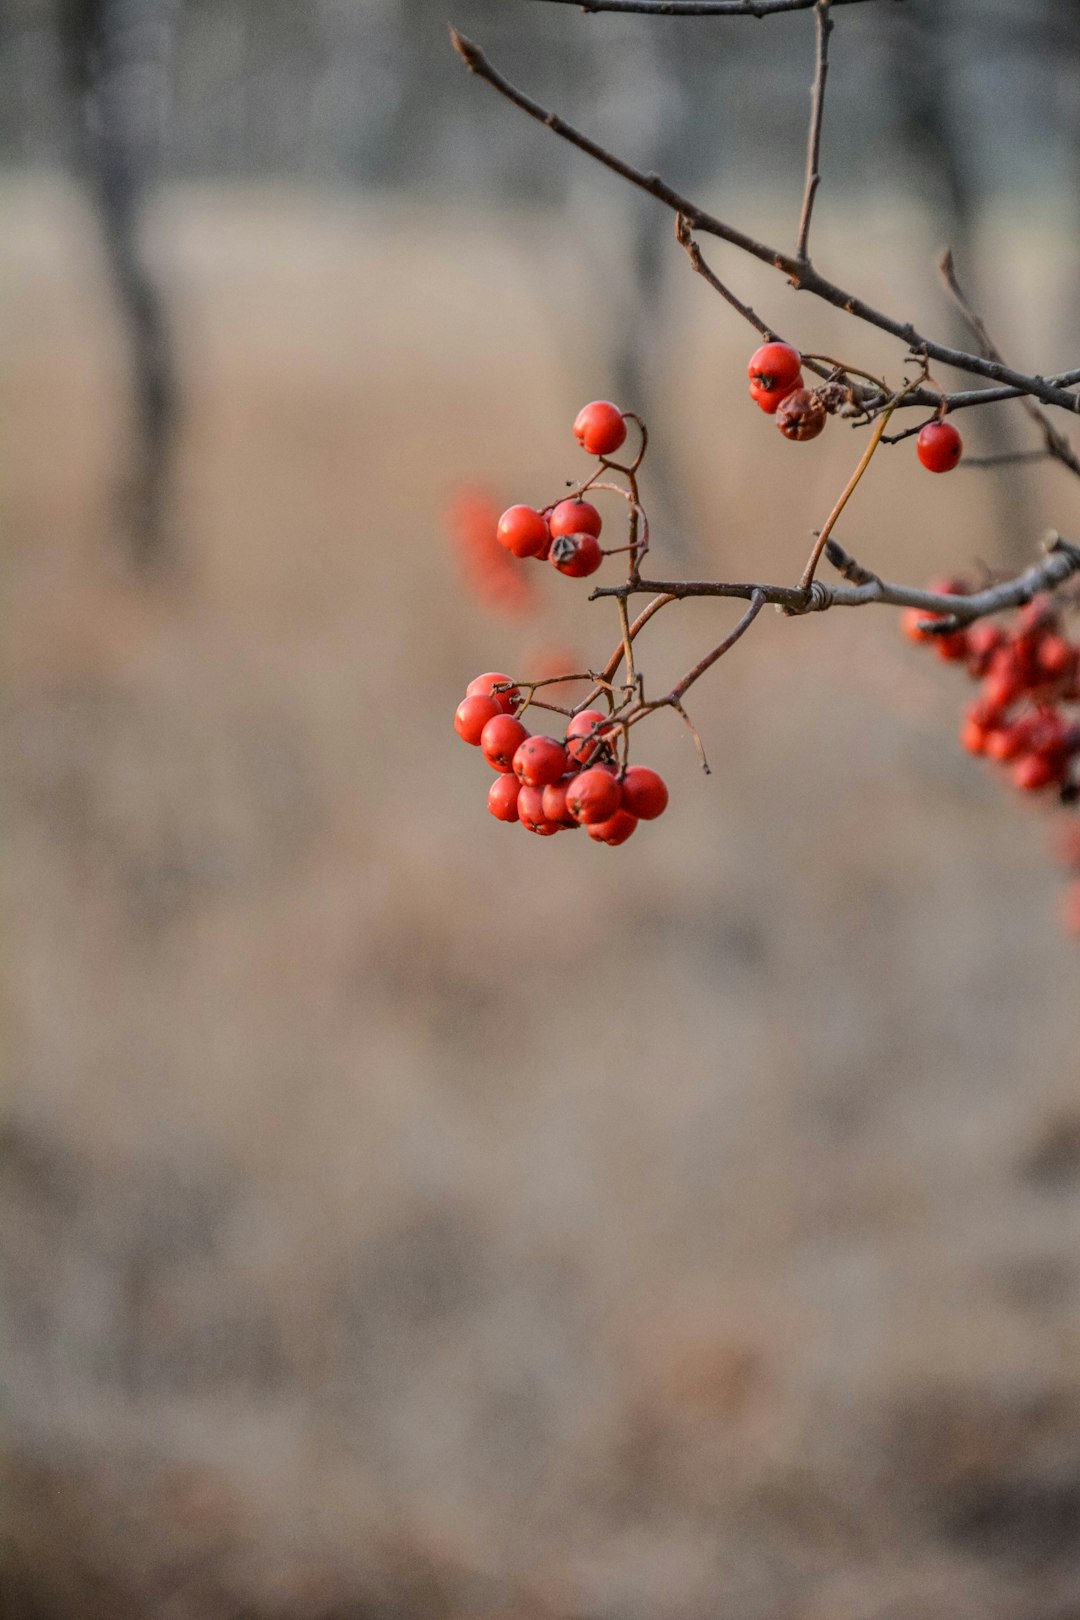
pixel 1028 673
pixel 777 385
pixel 1029 676
pixel 567 533
pixel 548 784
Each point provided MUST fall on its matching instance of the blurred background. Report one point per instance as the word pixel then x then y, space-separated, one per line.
pixel 402 1216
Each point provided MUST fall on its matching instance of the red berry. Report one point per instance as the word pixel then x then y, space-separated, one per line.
pixel 939 447
pixel 523 531
pixel 473 714
pixel 500 740
pixel 484 686
pixel 983 642
pixel 531 812
pixel 952 646
pixel 616 830
pixel 580 745
pixel 539 760
pixel 576 555
pixel 974 737
pixel 593 796
pixel 1005 682
pixel 774 365
pixel 554 802
pixel 770 398
pixel 644 793
pixel 599 428
pixel 575 517
pixel 503 797
pixel 1036 771
pixel 911 621
pixel 1056 657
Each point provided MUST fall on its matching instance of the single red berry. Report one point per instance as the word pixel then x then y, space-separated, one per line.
pixel 500 740
pixel 1033 772
pixel 583 736
pixel 539 760
pixel 593 796
pixel 554 802
pixel 1056 657
pixel 484 686
pixel 912 620
pixel 503 797
pixel 531 812
pixel 801 415
pixel 983 642
pixel 770 398
pixel 953 646
pixel 644 793
pixel 576 555
pixel 616 830
pixel 1004 683
pixel 523 531
pixel 774 365
pixel 975 737
pixel 575 517
pixel 1006 743
pixel 473 714
pixel 599 428
pixel 939 447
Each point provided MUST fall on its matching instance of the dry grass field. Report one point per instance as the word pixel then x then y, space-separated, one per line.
pixel 403 1217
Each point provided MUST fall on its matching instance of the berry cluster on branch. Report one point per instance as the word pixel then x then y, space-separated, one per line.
pixel 1026 714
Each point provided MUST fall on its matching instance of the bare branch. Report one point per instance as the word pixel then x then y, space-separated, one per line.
pixel 801 275
pixel 813 139
pixel 678 692
pixel 1062 562
pixel 699 8
pixel 1056 443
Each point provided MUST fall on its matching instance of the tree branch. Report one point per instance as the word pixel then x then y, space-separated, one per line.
pixel 1062 561
pixel 801 275
pixel 1056 443
pixel 813 139
pixel 699 8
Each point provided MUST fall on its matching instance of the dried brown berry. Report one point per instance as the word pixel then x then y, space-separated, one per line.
pixel 801 415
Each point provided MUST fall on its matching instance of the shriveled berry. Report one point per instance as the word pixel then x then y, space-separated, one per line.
pixel 484 686
pixel 593 796
pixel 523 531
pixel 616 830
pixel 575 517
pixel 599 428
pixel 644 793
pixel 774 365
pixel 939 447
pixel 503 797
pixel 473 714
pixel 539 760
pixel 576 555
pixel 500 740
pixel 801 415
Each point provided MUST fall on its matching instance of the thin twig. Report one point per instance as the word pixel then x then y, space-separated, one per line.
pixel 1056 443
pixel 679 691
pixel 802 276
pixel 849 489
pixel 813 139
